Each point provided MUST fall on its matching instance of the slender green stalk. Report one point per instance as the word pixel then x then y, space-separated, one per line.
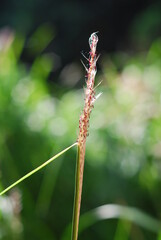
pixel 76 208
pixel 78 190
pixel 37 169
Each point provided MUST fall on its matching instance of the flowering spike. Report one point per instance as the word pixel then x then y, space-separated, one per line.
pixel 89 90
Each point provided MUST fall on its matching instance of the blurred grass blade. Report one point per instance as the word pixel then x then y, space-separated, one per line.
pixel 47 188
pixel 113 211
pixel 123 230
pixel 41 39
pixel 37 169
pixel 159 236
pixel 116 211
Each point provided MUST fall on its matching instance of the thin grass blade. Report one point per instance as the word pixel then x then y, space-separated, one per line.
pixel 37 169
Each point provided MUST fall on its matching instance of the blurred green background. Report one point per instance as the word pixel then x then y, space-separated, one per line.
pixel 41 98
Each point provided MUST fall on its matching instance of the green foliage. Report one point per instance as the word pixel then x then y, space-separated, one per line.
pixel 123 149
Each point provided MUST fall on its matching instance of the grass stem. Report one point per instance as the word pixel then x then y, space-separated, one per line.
pixel 77 198
pixel 83 131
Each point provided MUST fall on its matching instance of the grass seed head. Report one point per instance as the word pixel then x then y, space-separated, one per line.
pixel 89 90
